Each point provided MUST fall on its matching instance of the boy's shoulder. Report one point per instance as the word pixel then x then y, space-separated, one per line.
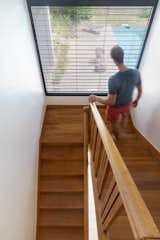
pixel 118 75
pixel 133 70
pixel 114 77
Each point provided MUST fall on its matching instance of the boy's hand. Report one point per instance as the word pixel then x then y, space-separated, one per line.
pixel 92 98
pixel 135 103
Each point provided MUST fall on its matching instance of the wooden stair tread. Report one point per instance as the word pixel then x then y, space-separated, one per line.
pixel 120 229
pixel 60 233
pixel 136 159
pixel 133 148
pixel 146 184
pixel 61 184
pixel 152 200
pixel 61 217
pixel 63 133
pixel 157 221
pixel 65 114
pixel 127 154
pixel 61 200
pixel 146 175
pixel 61 168
pixel 62 153
pixel 142 166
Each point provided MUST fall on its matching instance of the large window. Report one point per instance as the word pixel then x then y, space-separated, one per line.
pixel 74 42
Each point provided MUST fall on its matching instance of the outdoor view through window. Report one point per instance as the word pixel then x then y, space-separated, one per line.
pixel 74 44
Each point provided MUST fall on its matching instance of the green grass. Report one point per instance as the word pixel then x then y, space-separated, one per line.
pixel 118 19
pixel 62 61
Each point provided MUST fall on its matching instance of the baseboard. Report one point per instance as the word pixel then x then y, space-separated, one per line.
pixel 155 152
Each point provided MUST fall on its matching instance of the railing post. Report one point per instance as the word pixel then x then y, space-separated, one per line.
pixel 86 141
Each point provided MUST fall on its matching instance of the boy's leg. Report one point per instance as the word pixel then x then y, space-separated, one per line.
pixel 124 123
pixel 108 123
pixel 116 127
pixel 119 126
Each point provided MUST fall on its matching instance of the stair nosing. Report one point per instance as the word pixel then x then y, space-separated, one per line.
pixel 61 208
pixel 61 143
pixel 61 226
pixel 58 191
pixel 61 174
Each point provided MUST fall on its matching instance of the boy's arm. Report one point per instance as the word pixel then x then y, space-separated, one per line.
pixel 139 89
pixel 109 100
pixel 139 93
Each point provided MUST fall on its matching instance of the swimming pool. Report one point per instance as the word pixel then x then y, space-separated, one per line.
pixel 130 38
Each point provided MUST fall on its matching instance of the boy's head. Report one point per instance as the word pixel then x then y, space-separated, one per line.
pixel 117 54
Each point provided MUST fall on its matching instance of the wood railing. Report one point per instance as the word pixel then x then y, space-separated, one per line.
pixel 113 185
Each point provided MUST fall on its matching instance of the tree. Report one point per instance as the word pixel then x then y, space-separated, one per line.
pixel 146 13
pixel 72 15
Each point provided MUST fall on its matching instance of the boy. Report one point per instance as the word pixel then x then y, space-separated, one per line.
pixel 119 99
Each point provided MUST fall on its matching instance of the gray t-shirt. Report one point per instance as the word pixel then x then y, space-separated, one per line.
pixel 123 84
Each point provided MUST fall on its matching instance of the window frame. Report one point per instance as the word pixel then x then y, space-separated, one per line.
pixel 113 3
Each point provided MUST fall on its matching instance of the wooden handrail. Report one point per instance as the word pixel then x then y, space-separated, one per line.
pixel 123 187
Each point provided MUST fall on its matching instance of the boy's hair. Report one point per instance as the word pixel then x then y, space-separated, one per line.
pixel 117 54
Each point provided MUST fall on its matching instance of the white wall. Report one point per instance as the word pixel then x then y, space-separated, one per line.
pixel 147 114
pixel 21 110
pixel 66 100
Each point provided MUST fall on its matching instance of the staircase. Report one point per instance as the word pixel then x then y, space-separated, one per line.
pixel 143 163
pixel 62 185
pixel 61 199
pixel 121 212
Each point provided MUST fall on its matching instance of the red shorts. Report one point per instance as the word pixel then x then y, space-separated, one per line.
pixel 112 113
